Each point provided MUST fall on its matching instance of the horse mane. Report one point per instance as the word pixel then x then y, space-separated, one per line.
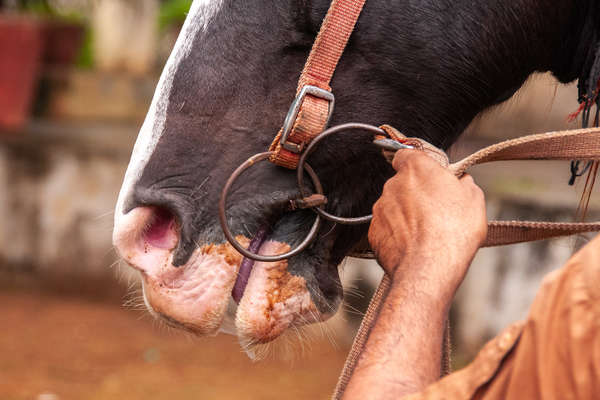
pixel 586 61
pixel 589 89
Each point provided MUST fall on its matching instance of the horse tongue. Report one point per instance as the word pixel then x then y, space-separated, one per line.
pixel 246 265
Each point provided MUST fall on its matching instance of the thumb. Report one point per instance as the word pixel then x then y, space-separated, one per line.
pixel 415 158
pixel 424 148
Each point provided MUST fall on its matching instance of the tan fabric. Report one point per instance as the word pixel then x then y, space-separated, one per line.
pixel 554 354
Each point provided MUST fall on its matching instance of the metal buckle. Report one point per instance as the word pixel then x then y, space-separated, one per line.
pixel 292 114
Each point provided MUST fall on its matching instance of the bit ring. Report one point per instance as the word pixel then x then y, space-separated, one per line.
pixel 302 166
pixel 312 234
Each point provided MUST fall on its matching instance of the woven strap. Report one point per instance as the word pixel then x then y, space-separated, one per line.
pixel 361 336
pixel 580 144
pixel 318 71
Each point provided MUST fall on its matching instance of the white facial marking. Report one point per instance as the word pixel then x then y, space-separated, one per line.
pixel 200 15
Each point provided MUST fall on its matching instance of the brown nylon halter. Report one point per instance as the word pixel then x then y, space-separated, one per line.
pixel 313 107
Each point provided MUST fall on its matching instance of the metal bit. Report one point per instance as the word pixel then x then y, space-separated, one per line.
pixel 312 201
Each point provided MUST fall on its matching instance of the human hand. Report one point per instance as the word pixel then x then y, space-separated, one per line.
pixel 426 212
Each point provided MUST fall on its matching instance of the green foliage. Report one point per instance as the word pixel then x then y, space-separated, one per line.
pixel 173 12
pixel 85 59
pixel 40 7
pixel 44 8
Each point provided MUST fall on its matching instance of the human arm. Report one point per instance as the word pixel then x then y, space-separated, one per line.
pixel 426 229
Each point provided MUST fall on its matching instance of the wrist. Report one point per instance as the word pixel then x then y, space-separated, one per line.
pixel 433 299
pixel 434 274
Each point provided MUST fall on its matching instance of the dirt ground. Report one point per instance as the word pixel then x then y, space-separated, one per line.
pixel 58 348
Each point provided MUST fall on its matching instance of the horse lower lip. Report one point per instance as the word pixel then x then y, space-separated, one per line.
pixel 247 265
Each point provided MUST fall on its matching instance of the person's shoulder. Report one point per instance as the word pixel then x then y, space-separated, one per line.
pixel 577 282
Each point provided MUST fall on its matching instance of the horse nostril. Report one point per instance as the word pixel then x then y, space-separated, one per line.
pixel 146 236
pixel 161 229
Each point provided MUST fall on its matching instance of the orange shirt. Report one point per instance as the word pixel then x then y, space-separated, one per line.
pixel 554 354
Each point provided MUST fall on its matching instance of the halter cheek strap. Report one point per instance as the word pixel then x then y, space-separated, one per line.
pixel 310 112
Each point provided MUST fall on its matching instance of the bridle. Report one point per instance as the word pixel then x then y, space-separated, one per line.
pixel 314 201
pixel 305 127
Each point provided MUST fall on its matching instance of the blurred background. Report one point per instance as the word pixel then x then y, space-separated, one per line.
pixel 76 79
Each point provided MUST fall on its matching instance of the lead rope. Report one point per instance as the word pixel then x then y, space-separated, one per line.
pixel 581 144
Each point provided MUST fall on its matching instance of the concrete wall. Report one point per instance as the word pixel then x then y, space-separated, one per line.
pixel 60 185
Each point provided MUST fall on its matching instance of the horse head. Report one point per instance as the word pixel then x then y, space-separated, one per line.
pixel 426 67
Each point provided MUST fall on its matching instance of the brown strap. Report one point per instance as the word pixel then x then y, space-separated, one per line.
pixel 580 144
pixel 510 232
pixel 318 71
pixel 577 144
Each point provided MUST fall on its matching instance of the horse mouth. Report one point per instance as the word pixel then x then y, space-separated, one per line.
pixel 216 286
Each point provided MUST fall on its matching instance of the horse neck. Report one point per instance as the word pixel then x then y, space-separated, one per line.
pixel 476 54
pixel 557 36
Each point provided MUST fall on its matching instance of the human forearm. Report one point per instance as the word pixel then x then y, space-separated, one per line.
pixel 404 350
pixel 426 228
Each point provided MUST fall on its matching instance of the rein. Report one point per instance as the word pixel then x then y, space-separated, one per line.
pixel 305 127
